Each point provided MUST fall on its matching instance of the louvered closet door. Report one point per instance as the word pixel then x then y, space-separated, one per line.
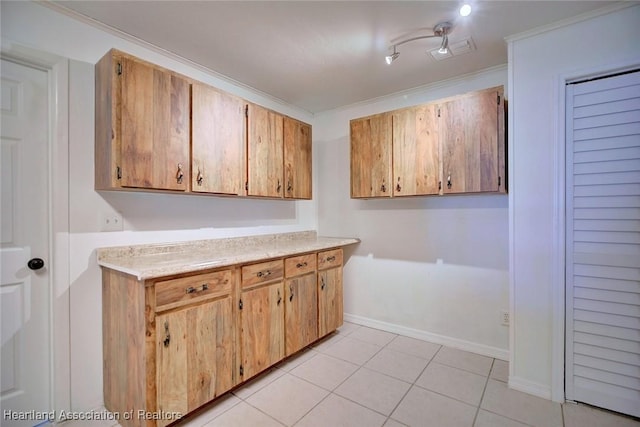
pixel 603 243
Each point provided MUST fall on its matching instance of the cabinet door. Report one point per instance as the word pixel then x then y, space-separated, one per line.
pixel 297 159
pixel 195 354
pixel 473 143
pixel 265 152
pixel 262 334
pixel 301 312
pixel 217 141
pixel 154 129
pixel 416 161
pixel 371 156
pixel 330 306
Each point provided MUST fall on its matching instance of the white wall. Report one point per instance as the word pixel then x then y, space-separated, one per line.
pixel 430 267
pixel 539 64
pixel 147 217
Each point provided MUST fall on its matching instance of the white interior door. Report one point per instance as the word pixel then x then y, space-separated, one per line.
pixel 24 291
pixel 603 243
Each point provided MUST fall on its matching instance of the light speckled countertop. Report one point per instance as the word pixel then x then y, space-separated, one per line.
pixel 158 260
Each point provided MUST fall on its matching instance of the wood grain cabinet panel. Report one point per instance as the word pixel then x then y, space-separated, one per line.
pixel 472 138
pixel 301 302
pixel 371 152
pixel 143 125
pixel 330 291
pixel 455 145
pixel 416 160
pixel 265 161
pixel 218 141
pixel 156 130
pixel 301 312
pixel 195 355
pixel 262 328
pixel 297 159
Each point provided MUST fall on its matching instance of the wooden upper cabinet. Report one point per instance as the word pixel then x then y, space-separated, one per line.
pixel 265 162
pixel 416 160
pixel 142 125
pixel 455 145
pixel 297 159
pixel 371 156
pixel 218 141
pixel 472 138
pixel 160 131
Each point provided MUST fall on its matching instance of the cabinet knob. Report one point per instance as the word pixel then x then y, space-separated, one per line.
pixel 291 291
pixel 398 187
pixel 383 188
pixel 279 187
pixel 179 174
pixel 279 297
pixel 449 181
pixel 289 186
pixel 200 177
pixel 323 284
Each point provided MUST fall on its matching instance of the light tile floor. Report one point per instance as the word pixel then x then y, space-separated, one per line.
pixel 365 377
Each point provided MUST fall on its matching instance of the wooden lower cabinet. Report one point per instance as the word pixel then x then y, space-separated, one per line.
pixel 330 293
pixel 173 344
pixel 195 355
pixel 262 333
pixel 301 303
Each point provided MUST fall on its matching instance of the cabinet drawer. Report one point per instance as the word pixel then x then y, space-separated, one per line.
pixel 329 259
pixel 299 265
pixel 186 290
pixel 263 272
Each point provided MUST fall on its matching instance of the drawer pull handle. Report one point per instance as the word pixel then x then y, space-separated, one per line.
pixel 331 258
pixel 191 289
pixel 167 335
pixel 301 264
pixel 263 273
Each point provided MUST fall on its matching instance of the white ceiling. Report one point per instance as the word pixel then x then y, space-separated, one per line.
pixel 319 55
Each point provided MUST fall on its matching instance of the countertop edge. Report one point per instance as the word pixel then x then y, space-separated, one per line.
pixel 255 254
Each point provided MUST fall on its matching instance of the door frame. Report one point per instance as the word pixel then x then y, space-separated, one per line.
pixel 57 69
pixel 558 285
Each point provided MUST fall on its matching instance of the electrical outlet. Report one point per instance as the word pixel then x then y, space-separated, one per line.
pixel 111 221
pixel 504 317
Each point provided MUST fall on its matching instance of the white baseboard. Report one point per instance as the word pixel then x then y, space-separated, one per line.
pixel 473 347
pixel 530 387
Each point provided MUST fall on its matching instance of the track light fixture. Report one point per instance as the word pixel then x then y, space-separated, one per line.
pixel 441 30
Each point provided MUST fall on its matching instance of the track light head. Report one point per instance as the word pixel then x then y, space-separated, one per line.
pixel 444 47
pixel 390 58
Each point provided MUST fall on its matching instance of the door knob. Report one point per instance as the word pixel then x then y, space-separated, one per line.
pixel 35 263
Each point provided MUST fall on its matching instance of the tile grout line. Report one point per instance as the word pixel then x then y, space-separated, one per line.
pixel 413 384
pixel 484 389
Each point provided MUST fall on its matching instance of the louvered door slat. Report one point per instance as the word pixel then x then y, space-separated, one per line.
pixel 603 243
